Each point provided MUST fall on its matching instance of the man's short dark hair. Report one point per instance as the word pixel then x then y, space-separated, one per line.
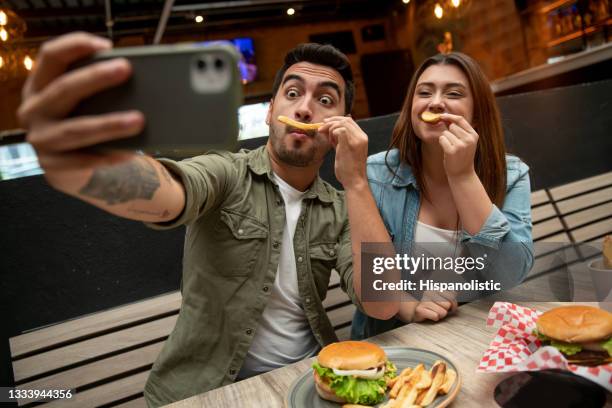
pixel 326 55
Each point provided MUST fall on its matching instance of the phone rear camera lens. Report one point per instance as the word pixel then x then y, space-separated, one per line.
pixel 201 63
pixel 219 64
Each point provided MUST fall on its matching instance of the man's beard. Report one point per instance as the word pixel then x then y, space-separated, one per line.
pixel 292 157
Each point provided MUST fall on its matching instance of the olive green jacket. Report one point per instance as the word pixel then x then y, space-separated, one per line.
pixel 235 217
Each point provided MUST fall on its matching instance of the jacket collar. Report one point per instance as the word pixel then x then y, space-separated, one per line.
pixel 403 173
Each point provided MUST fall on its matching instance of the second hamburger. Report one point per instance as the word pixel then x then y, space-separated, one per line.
pixel 583 334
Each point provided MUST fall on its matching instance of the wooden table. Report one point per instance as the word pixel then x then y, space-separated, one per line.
pixel 462 338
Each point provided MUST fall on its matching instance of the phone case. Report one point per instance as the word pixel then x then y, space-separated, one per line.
pixel 186 112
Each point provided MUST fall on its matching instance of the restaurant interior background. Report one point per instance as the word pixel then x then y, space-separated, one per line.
pixel 523 46
pixel 384 39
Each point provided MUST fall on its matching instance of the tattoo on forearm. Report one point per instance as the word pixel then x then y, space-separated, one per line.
pixel 160 214
pixel 122 183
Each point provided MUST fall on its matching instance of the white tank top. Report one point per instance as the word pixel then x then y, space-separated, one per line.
pixel 435 241
pixel 428 233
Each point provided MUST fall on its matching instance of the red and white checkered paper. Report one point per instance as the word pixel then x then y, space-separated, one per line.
pixel 515 348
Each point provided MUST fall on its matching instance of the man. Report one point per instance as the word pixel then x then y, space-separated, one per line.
pixel 263 230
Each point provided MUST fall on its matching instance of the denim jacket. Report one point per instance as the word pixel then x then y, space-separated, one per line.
pixel 398 200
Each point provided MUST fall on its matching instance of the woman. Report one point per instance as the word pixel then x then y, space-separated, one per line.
pixel 451 181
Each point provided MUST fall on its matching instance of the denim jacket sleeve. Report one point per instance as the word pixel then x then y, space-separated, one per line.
pixel 506 234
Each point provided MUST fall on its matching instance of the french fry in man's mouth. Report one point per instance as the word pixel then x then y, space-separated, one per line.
pixel 299 125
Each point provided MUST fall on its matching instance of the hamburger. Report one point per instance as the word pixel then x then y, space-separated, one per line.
pixel 353 371
pixel 583 334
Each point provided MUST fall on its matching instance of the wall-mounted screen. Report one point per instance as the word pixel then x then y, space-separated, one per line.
pixel 246 48
pixel 252 119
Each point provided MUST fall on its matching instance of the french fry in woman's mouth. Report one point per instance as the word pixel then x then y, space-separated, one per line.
pixel 430 117
pixel 299 125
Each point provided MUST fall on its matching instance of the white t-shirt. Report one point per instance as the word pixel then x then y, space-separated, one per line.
pixel 284 335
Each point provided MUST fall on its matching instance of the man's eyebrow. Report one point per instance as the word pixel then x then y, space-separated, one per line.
pixel 330 84
pixel 292 76
pixel 447 85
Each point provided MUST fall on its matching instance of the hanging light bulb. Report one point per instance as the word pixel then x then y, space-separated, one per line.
pixel 456 3
pixel 28 63
pixel 12 28
pixel 199 19
pixel 438 11
pixel 405 1
pixel 290 11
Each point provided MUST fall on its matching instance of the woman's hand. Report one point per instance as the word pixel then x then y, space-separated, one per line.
pixel 433 310
pixel 459 144
pixel 433 306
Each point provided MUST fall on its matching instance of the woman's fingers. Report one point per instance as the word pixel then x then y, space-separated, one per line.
pixel 431 311
pixel 460 121
pixel 446 144
pixel 460 133
pixel 453 139
pixel 424 313
pixel 85 131
pixel 445 300
pixel 444 304
pixel 451 298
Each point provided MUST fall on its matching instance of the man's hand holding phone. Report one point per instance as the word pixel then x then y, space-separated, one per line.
pixel 51 92
pixel 62 142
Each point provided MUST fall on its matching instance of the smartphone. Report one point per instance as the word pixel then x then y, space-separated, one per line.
pixel 189 95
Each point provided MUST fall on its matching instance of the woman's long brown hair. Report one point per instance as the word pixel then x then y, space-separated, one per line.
pixel 490 158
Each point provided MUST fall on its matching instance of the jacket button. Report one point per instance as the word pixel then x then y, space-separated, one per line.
pixel 240 231
pixel 265 288
pixel 249 331
pixel 275 244
pixel 300 259
pixel 307 300
pixel 332 252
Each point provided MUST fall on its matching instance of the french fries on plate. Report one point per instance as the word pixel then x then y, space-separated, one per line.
pixel 417 387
